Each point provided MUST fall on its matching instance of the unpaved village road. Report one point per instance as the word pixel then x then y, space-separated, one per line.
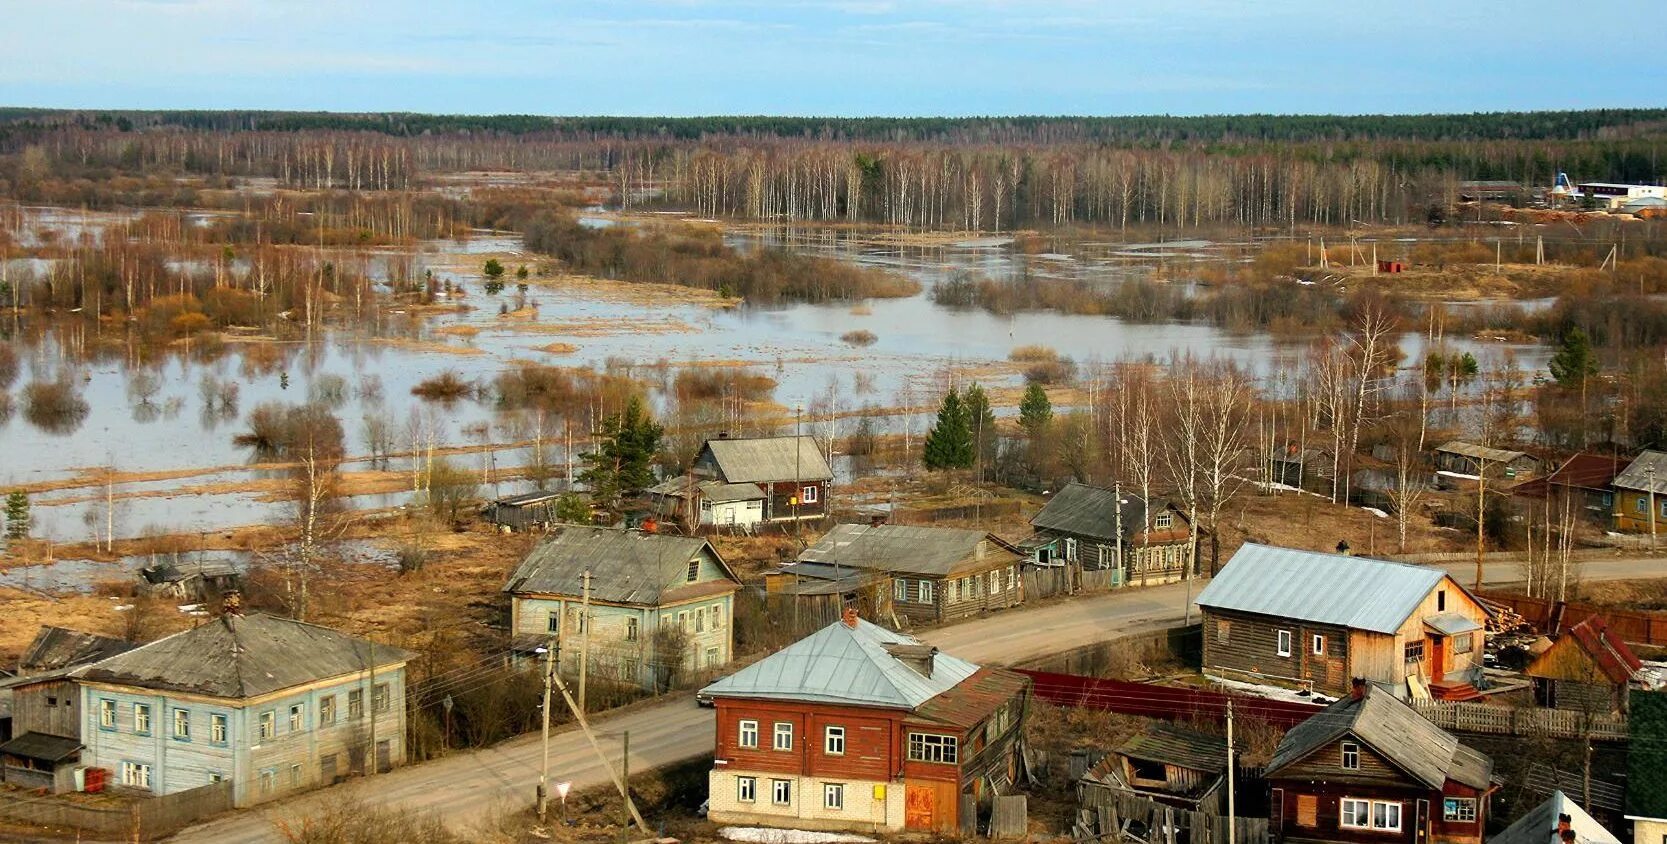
pixel 467 787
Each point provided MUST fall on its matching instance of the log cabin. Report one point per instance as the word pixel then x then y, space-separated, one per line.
pixel 1318 620
pixel 1369 768
pixel 1097 529
pixel 46 708
pixel 856 727
pixel 918 574
pixel 792 473
pixel 1640 490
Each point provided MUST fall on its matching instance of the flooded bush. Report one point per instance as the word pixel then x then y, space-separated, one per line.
pixel 219 395
pixel 1032 354
pixel 277 430
pixel 724 383
pixel 860 337
pixel 447 386
pixel 328 389
pixel 54 406
pixel 8 366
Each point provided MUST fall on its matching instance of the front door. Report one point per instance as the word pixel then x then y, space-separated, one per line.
pixel 1438 658
pixel 384 756
pixel 919 805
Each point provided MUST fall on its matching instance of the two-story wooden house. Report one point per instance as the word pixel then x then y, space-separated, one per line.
pixel 1319 620
pixel 857 727
pixel 46 707
pixel 1096 529
pixel 1639 488
pixel 1370 768
pixel 791 473
pixel 923 574
pixel 274 705
pixel 660 605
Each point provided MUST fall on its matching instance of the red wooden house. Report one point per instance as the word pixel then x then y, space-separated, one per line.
pixel 857 727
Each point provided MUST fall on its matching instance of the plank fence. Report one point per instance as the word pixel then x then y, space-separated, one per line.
pixel 1548 616
pixel 1107 814
pixel 1463 717
pixel 136 819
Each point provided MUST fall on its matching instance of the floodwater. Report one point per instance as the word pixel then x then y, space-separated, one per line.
pixel 370 371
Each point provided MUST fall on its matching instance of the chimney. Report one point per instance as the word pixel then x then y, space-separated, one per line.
pixel 723 435
pixel 231 603
pixel 850 617
pixel 1564 830
pixel 917 657
pixel 649 525
pixel 1357 688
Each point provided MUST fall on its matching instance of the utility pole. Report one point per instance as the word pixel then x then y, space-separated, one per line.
pixel 625 770
pixel 1649 472
pixel 584 642
pixel 371 706
pixel 544 768
pixel 1117 494
pixel 584 725
pixel 1481 507
pixel 797 487
pixel 1231 802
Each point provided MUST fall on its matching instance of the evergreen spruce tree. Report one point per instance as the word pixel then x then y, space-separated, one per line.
pixel 623 463
pixel 982 421
pixel 949 442
pixel 1574 361
pixel 17 514
pixel 1035 411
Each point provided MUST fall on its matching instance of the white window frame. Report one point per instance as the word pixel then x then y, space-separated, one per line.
pixel 1070 549
pixel 1162 520
pixel 1371 808
pixel 748 726
pixel 182 723
pixel 833 796
pixel 1346 751
pixel 781 792
pixel 928 592
pixel 1317 645
pixel 381 697
pixel 297 717
pixel 809 494
pixel 1460 808
pixel 106 714
pixel 141 719
pixel 746 789
pixel 781 735
pixel 1387 805
pixel 693 573
pixel 136 774
pixel 900 590
pixel 833 740
pixel 1282 642
pixel 700 620
pixel 218 726
pixel 633 629
pixel 1362 810
pixel 922 747
pixel 268 724
pixel 327 710
pixel 552 624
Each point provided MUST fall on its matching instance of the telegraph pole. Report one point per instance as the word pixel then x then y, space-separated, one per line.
pixel 1649 472
pixel 544 769
pixel 584 642
pixel 1231 802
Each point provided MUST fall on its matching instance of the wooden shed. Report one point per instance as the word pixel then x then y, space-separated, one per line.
pixel 525 511
pixel 1588 669
pixel 1166 764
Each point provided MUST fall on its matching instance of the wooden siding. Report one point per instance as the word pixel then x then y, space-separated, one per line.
pixel 52 708
pixel 972 596
pixel 1456 600
pixel 873 739
pixel 1326 764
pixel 1244 642
pixel 1632 511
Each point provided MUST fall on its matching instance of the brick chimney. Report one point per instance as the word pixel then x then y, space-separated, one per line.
pixel 877 519
pixel 850 617
pixel 1567 836
pixel 1357 688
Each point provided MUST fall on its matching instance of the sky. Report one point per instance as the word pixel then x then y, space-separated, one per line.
pixel 835 57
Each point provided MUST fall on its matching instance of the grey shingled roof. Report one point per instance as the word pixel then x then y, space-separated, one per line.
pixel 1495 455
pixel 1090 511
pixel 1539 826
pixel 764 459
pixel 626 566
pixel 1636 475
pixel 59 647
pixel 237 656
pixel 1353 592
pixel 906 549
pixel 845 665
pixel 714 491
pixel 1394 731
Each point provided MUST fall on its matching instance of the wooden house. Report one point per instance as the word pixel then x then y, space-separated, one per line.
pixel 1583 486
pixel 1557 820
pixel 922 574
pixel 1588 669
pixel 526 511
pixel 193 580
pixel 1470 460
pixel 649 594
pixel 1097 529
pixel 716 505
pixel 1319 620
pixel 792 472
pixel 1369 768
pixel 1166 764
pixel 1299 467
pixel 1641 486
pixel 46 708
pixel 856 727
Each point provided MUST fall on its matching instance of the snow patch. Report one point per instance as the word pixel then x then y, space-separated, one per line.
pixel 760 835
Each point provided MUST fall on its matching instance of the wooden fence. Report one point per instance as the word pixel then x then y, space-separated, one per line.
pixel 1106 814
pixel 137 819
pixel 1515 721
pixel 1056 580
pixel 1550 616
pixel 1166 702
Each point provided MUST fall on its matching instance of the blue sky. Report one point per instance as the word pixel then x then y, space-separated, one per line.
pixel 834 57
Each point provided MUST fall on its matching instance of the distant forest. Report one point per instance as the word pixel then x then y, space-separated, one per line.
pixel 991 173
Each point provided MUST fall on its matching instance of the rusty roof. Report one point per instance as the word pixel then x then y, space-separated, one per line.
pixel 973 699
pixel 1600 644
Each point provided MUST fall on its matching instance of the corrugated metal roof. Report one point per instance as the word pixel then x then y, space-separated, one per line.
pixel 846 665
pixel 1394 731
pixel 764 459
pixel 907 549
pixel 1354 592
pixel 1451 623
pixel 1539 826
pixel 1637 476
pixel 1092 511
pixel 626 566
pixel 59 647
pixel 1496 455
pixel 237 656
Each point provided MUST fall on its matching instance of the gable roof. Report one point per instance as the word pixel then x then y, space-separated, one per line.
pixel 717 492
pixel 55 648
pixel 1601 645
pixel 1395 731
pixel 1355 592
pixel 1539 826
pixel 1178 746
pixel 626 566
pixel 1480 452
pixel 1637 474
pixel 847 665
pixel 910 549
pixel 1092 511
pixel 762 459
pixel 238 656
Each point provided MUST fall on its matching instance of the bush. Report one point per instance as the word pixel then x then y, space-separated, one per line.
pixel 8 366
pixel 277 430
pixel 54 406
pixel 859 337
pixel 447 386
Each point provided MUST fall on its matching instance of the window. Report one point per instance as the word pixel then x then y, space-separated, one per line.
pixel 1381 815
pixel 1441 600
pixel 297 718
pixel 107 714
pixel 1664 508
pixel 182 724
pixel 900 590
pixel 781 792
pixel 580 620
pixel 51 700
pixel 784 735
pixel 1415 651
pixel 1386 816
pixel 136 774
pixel 356 703
pixel 928 592
pixel 294 775
pixel 215 776
pixel 1224 629
pixel 995 582
pixel 1319 645
pixel 683 620
pixel 217 728
pixel 1070 549
pixel 748 735
pixel 1284 648
pixel 833 743
pixel 717 616
pixel 141 718
pixel 833 795
pixel 553 623
pixel 809 495
pixel 1356 814
pixel 1162 521
pixel 712 658
pixel 327 711
pixel 1464 643
pixel 746 789
pixel 700 620
pixel 379 698
pixel 1639 505
pixel 268 780
pixel 1458 809
pixel 694 570
pixel 268 724
pixel 631 629
pixel 926 747
pixel 1351 756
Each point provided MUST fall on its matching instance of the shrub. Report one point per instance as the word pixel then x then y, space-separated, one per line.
pixel 447 386
pixel 54 406
pixel 860 337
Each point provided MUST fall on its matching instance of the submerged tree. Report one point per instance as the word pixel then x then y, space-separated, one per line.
pixel 17 514
pixel 949 441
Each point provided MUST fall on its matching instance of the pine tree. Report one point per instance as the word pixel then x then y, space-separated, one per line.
pixel 1035 411
pixel 949 442
pixel 982 420
pixel 622 462
pixel 1574 361
pixel 17 514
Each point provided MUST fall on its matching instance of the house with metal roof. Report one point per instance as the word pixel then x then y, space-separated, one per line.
pixel 923 574
pixel 1095 528
pixel 1166 764
pixel 274 705
pixel 1640 490
pixel 858 727
pixel 1556 820
pixel 45 746
pixel 792 472
pixel 1588 669
pixel 1318 620
pixel 658 608
pixel 1584 483
pixel 1370 768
